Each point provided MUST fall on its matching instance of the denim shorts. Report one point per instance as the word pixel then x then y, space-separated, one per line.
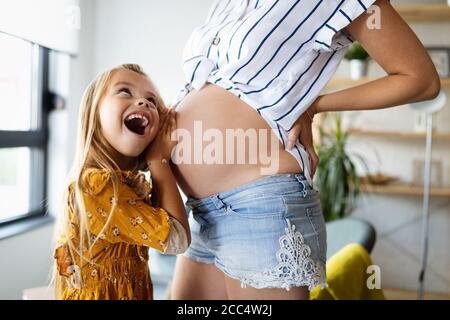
pixel 268 233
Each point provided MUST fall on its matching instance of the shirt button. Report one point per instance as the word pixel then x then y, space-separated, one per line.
pixel 216 41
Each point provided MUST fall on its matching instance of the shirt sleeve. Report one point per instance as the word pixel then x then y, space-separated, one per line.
pixel 335 16
pixel 132 221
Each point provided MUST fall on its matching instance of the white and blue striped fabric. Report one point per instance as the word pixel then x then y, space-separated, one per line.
pixel 275 55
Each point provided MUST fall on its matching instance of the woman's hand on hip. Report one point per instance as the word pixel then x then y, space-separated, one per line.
pixel 302 131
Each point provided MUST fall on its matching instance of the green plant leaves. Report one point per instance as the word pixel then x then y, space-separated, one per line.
pixel 356 51
pixel 337 177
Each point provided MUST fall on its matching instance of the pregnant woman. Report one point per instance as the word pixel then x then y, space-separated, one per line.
pixel 254 76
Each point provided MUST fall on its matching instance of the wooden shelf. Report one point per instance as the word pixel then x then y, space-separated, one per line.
pixel 404 189
pixel 344 82
pixel 424 12
pixel 404 294
pixel 399 134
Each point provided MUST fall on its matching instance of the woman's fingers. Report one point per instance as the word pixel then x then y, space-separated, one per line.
pixel 314 160
pixel 293 135
pixel 302 131
pixel 306 140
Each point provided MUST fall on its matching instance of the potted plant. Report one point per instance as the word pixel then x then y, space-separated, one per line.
pixel 336 177
pixel 358 58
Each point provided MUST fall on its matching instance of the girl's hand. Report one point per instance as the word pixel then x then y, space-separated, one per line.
pixel 161 146
pixel 302 131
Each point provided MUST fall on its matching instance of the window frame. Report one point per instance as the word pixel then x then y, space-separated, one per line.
pixel 35 138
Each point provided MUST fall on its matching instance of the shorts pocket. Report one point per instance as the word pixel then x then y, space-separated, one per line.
pixel 314 210
pixel 306 198
pixel 299 207
pixel 258 207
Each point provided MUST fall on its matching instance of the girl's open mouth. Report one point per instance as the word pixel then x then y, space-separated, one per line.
pixel 136 122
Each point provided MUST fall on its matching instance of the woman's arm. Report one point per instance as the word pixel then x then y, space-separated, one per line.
pixel 411 77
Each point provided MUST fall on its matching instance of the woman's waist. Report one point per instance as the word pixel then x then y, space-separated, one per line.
pixel 224 142
pixel 258 191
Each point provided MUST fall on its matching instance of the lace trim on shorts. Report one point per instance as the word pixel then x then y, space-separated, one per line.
pixel 295 267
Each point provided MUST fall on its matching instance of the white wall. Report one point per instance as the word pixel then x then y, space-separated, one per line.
pixel 150 33
pixel 81 72
pixel 25 262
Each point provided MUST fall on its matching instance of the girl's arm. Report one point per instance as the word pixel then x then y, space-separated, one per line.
pixel 411 77
pixel 168 196
pixel 158 157
pixel 132 221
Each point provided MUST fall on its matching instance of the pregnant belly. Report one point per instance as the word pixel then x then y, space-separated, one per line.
pixel 224 143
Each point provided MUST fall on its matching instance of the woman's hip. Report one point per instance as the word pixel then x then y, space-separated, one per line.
pixel 267 224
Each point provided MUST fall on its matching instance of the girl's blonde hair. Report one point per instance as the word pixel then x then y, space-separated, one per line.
pixel 90 152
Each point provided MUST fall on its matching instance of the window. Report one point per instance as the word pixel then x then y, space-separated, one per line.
pixel 23 128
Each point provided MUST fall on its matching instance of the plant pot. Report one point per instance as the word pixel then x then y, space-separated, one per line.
pixel 358 69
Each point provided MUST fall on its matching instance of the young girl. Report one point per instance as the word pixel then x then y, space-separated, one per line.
pixel 109 221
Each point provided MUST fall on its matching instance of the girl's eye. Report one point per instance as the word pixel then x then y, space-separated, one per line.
pixel 152 100
pixel 126 91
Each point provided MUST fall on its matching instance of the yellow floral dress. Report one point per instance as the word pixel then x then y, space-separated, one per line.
pixel 118 268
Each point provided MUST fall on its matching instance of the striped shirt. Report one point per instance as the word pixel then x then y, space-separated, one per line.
pixel 275 55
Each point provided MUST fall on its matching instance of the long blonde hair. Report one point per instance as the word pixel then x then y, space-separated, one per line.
pixel 91 151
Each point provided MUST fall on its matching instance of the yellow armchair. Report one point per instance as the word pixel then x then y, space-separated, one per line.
pixel 347 276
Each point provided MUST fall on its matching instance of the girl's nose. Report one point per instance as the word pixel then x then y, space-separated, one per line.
pixel 143 103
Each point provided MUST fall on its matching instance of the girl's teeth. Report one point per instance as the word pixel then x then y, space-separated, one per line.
pixel 133 116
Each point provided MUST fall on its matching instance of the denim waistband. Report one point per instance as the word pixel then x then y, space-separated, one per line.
pixel 284 182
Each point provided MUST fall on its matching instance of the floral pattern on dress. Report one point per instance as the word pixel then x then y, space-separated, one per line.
pixel 102 212
pixel 136 221
pixel 94 273
pixel 116 231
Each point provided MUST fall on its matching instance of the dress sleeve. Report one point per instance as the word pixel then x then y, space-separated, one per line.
pixel 177 241
pixel 132 221
pixel 335 15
